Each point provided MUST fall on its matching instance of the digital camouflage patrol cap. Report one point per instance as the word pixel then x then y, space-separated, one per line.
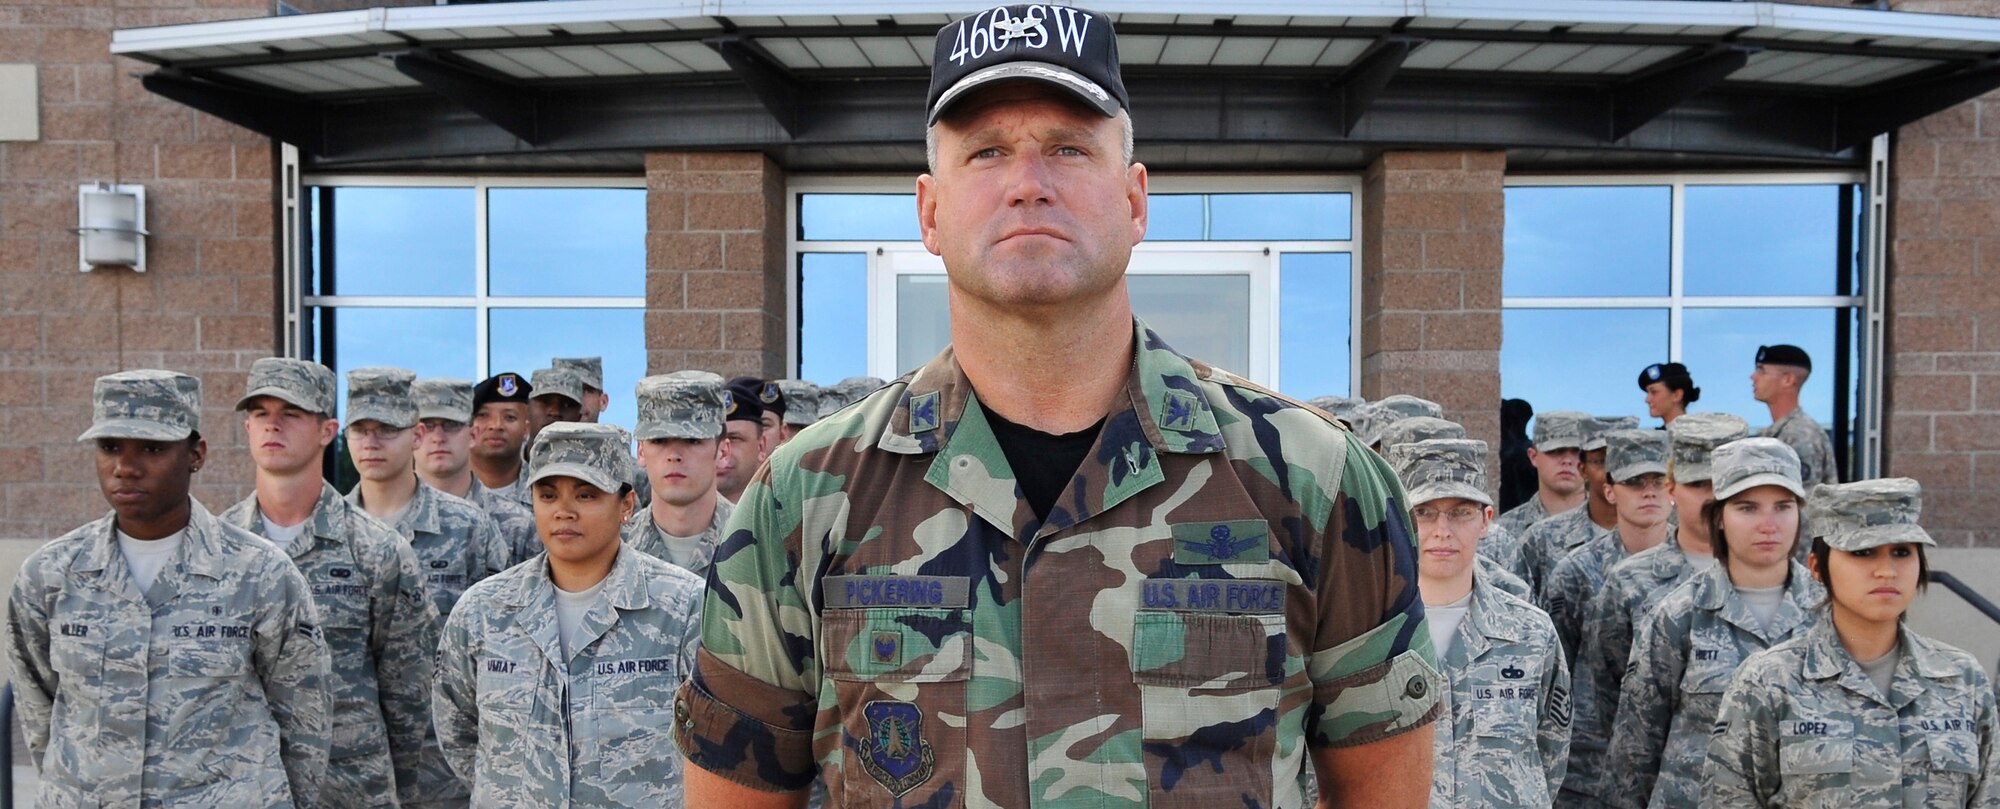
pixel 846 392
pixel 1695 437
pixel 448 399
pixel 557 382
pixel 1593 435
pixel 1747 463
pixel 588 370
pixel 1562 429
pixel 306 385
pixel 1060 46
pixel 593 453
pixel 1405 405
pixel 1631 453
pixel 1868 514
pixel 147 405
pixel 1442 467
pixel 683 404
pixel 801 401
pixel 1419 428
pixel 1342 407
pixel 1373 418
pixel 381 394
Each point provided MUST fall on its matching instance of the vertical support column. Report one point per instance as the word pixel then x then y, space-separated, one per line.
pixel 715 263
pixel 1430 286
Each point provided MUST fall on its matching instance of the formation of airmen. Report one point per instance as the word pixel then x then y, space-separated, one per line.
pixel 918 594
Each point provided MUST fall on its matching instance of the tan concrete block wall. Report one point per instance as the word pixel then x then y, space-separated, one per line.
pixel 715 263
pixel 1430 282
pixel 206 304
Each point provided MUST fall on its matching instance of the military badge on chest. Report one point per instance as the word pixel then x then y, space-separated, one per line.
pixel 895 752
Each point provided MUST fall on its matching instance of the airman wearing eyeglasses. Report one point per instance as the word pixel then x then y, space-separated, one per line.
pixel 1503 738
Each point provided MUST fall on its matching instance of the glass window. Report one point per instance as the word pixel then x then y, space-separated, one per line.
pixel 522 340
pixel 1762 239
pixel 431 342
pixel 1311 216
pixel 1719 347
pixel 1176 217
pixel 1315 329
pixel 399 241
pixel 1587 241
pixel 833 321
pixel 858 217
pixel 1203 316
pixel 923 320
pixel 566 241
pixel 1541 362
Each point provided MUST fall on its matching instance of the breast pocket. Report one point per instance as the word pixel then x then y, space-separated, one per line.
pixel 208 694
pixel 898 674
pixel 1816 760
pixel 1208 686
pixel 1954 763
pixel 632 723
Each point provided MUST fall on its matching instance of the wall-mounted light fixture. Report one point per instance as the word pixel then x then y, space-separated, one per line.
pixel 111 226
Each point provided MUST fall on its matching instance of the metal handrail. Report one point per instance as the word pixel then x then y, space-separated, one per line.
pixel 1965 591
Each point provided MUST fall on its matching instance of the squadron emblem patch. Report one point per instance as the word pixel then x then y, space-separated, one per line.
pixel 895 752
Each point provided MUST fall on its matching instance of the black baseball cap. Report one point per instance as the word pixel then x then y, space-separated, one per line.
pixel 1784 355
pixel 741 402
pixel 1063 46
pixel 506 387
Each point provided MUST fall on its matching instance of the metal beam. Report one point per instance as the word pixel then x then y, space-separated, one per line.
pixel 1643 99
pixel 281 118
pixel 506 105
pixel 1864 117
pixel 774 87
pixel 1358 86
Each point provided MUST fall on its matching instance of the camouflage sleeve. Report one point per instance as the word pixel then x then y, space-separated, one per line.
pixel 1531 560
pixel 1985 787
pixel 494 548
pixel 455 693
pixel 1600 669
pixel 294 665
pixel 1742 766
pixel 1564 598
pixel 1553 725
pixel 403 634
pixel 35 679
pixel 747 712
pixel 1646 705
pixel 1373 669
pixel 688 605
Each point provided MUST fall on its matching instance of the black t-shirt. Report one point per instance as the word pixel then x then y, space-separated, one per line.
pixel 1043 464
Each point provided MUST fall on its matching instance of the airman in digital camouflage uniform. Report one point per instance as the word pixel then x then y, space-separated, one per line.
pixel 1858 711
pixel 1502 742
pixel 457 545
pixel 1696 639
pixel 680 427
pixel 590 373
pixel 161 657
pixel 1780 375
pixel 1500 559
pixel 1636 463
pixel 557 397
pixel 1557 456
pixel 555 681
pixel 1632 588
pixel 444 452
pixel 379 626
pixel 801 409
pixel 1547 543
pixel 1142 581
pixel 500 424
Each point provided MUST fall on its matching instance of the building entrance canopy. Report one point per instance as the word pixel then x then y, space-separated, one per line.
pixel 840 85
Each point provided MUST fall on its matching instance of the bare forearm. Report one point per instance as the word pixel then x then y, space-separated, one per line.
pixel 1394 773
pixel 708 789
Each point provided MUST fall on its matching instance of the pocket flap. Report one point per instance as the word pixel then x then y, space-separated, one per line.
pixel 1207 650
pixel 897 644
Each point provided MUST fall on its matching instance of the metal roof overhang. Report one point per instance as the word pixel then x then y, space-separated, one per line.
pixel 1266 85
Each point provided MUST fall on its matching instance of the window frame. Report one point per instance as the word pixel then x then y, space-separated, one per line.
pixel 480 301
pixel 1264 283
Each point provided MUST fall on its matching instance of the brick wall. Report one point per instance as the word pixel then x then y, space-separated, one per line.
pixel 1943 348
pixel 205 304
pixel 715 263
pixel 1430 283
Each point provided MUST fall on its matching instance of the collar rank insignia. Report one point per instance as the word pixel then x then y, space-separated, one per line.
pixel 895 752
pixel 1178 408
pixel 1222 542
pixel 924 412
